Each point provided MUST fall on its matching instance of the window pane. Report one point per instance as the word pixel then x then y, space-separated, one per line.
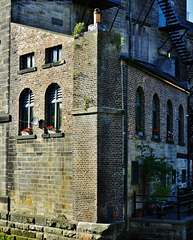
pixel 55 55
pixel 59 115
pixel 134 172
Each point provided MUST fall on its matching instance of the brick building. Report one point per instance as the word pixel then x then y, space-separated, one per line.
pixel 104 92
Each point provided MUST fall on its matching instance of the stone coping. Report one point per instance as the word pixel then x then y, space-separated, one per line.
pixel 26 137
pixel 96 110
pixel 53 135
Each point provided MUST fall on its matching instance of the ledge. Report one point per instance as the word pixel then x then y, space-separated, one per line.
pixel 26 137
pixel 182 144
pixel 169 142
pixel 156 139
pixel 5 118
pixel 53 135
pixel 28 70
pixel 55 64
pixel 96 110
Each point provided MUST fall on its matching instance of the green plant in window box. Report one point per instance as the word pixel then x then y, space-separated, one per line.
pixel 170 136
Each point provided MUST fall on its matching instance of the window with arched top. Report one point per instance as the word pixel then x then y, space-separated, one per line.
pixel 54 107
pixel 170 133
pixel 181 125
pixel 26 110
pixel 139 108
pixel 155 117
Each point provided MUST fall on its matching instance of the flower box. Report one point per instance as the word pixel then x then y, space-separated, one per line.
pixel 24 133
pixel 51 131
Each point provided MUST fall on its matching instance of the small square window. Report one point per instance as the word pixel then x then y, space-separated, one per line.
pixel 54 54
pixel 27 61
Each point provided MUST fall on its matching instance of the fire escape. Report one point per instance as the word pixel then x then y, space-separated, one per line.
pixel 176 31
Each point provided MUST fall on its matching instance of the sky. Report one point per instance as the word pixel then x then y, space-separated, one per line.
pixel 190 9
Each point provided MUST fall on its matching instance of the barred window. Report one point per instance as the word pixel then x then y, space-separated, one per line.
pixel 155 117
pixel 170 133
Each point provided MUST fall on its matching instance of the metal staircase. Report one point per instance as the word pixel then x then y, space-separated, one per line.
pixel 175 28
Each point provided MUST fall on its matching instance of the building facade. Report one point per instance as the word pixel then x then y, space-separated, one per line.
pixel 73 111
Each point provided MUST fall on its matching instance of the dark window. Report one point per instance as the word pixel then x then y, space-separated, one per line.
pixel 139 112
pixel 155 117
pixel 134 172
pixel 26 109
pixel 54 107
pixel 181 125
pixel 183 176
pixel 170 134
pixel 27 61
pixel 174 177
pixel 54 54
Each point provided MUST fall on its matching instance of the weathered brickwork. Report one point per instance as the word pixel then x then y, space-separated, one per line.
pixel 151 85
pixel 40 169
pixel 97 128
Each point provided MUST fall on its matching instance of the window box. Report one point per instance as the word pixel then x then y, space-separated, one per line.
pixel 55 135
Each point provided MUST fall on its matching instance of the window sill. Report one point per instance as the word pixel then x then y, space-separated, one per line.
pixel 55 64
pixel 28 70
pixel 182 144
pixel 156 139
pixel 140 137
pixel 33 136
pixel 53 135
pixel 169 142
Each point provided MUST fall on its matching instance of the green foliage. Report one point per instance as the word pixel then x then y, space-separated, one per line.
pixel 74 75
pixel 153 166
pixel 86 100
pixel 161 192
pixel 78 29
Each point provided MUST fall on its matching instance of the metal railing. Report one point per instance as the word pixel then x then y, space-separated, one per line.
pixel 175 207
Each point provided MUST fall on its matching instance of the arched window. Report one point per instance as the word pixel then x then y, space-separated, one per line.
pixel 54 107
pixel 26 109
pixel 181 125
pixel 139 112
pixel 170 133
pixel 155 117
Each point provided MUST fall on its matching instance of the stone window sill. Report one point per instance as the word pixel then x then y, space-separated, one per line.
pixel 33 136
pixel 141 137
pixel 53 135
pixel 156 139
pixel 182 144
pixel 28 70
pixel 169 142
pixel 55 64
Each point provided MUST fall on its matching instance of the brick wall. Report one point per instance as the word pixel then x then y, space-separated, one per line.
pixel 97 129
pixel 40 167
pixel 150 86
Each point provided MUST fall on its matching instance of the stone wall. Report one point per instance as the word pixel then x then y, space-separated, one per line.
pixel 5 12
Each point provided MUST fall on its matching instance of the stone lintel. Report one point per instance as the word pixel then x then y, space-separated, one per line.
pixel 96 110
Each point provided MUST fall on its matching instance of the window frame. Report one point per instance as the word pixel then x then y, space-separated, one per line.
pixel 27 61
pixel 139 112
pixel 155 117
pixel 181 125
pixel 26 109
pixel 54 107
pixel 169 121
pixel 134 172
pixel 53 54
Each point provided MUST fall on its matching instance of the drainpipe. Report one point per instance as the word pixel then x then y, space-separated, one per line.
pixel 126 121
